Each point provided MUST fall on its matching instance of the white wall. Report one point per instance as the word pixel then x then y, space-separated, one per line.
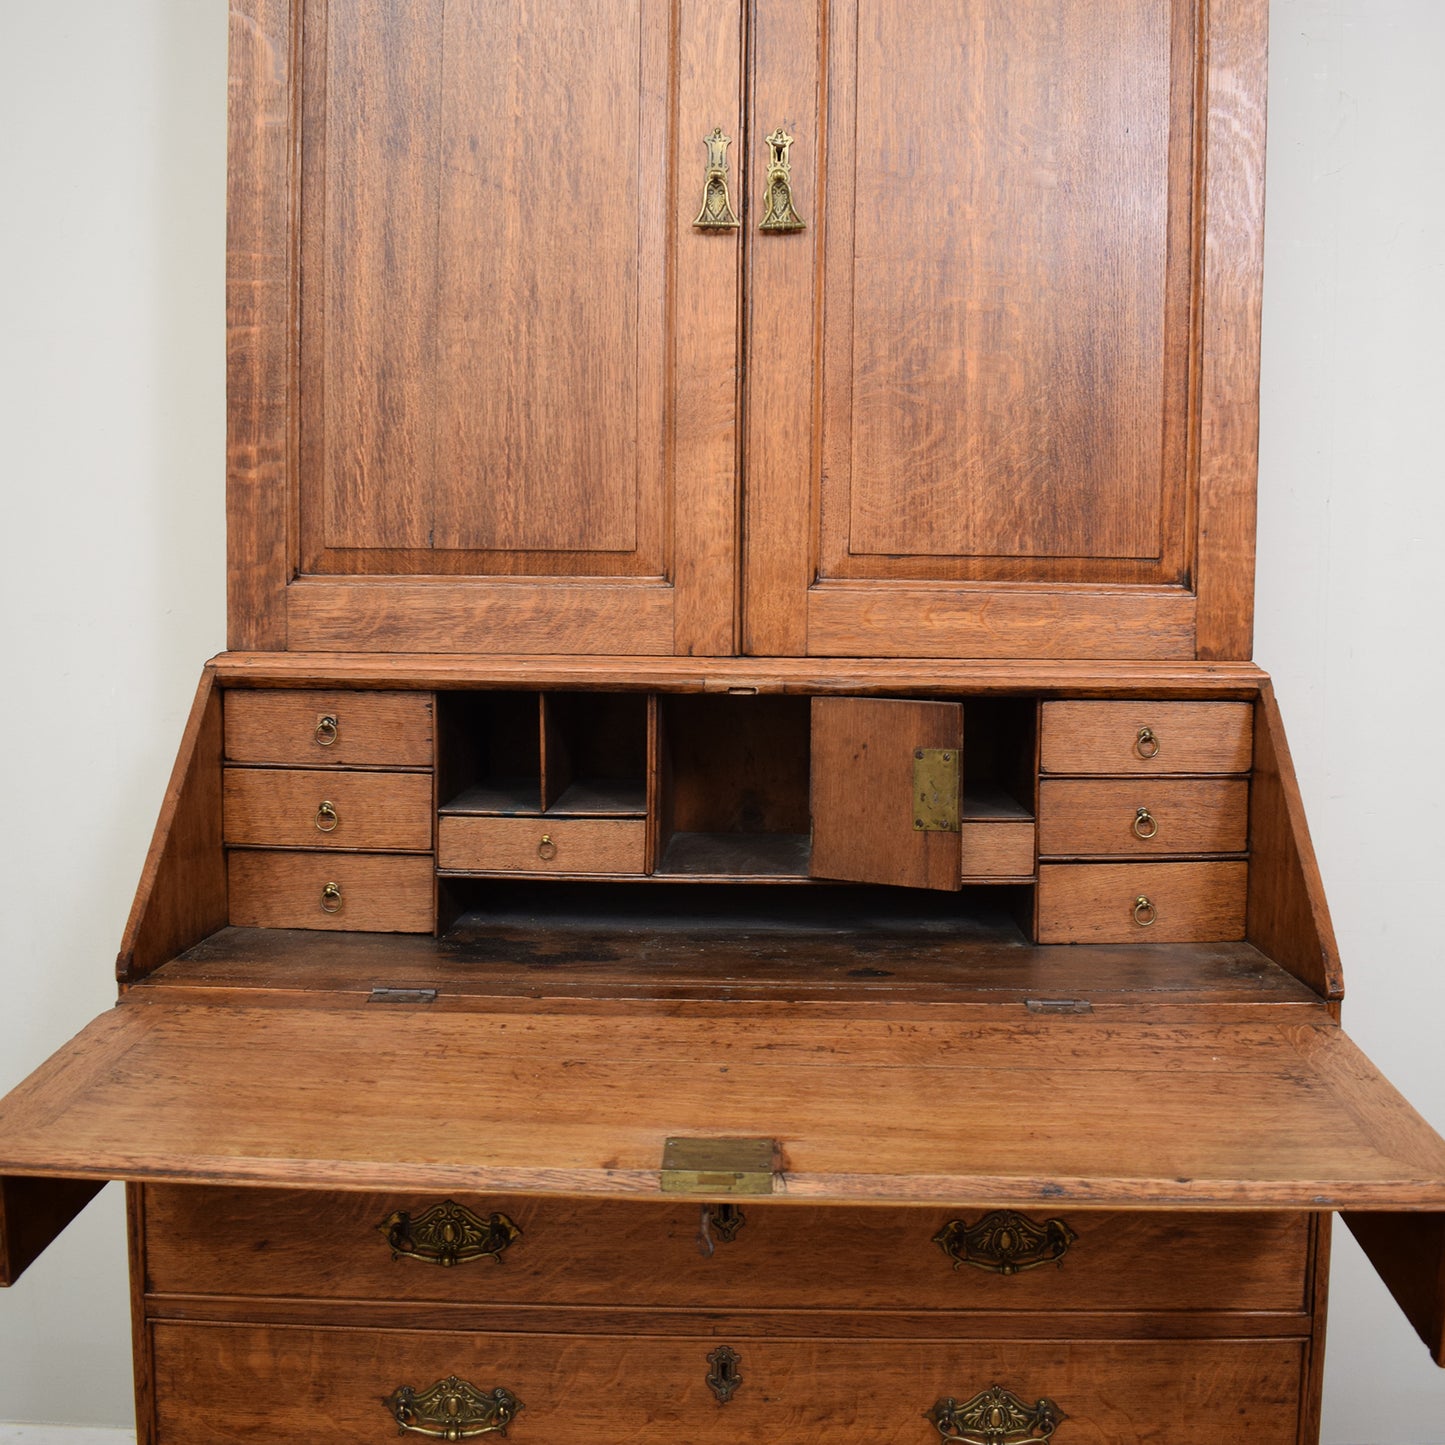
pixel 111 415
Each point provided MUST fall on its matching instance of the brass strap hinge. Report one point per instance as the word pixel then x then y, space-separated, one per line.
pixel 935 790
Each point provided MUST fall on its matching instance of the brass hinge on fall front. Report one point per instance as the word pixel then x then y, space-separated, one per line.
pixel 935 790
pixel 719 1166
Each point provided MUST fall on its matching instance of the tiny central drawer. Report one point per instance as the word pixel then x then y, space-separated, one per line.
pixel 316 808
pixel 542 845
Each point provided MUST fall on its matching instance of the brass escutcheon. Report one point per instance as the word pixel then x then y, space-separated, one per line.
pixel 1146 744
pixel 1146 825
pixel 546 849
pixel 448 1234
pixel 452 1410
pixel 1144 912
pixel 331 898
pixel 1005 1242
pixel 724 1377
pixel 327 729
pixel 995 1417
pixel 327 818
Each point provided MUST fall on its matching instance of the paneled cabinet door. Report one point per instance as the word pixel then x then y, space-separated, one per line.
pixel 511 424
pixel 1001 392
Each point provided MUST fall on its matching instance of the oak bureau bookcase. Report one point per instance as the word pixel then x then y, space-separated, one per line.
pixel 737 880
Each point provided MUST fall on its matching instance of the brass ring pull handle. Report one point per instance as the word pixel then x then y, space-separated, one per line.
pixel 546 849
pixel 995 1417
pixel 717 212
pixel 1144 912
pixel 1005 1242
pixel 328 729
pixel 331 898
pixel 1146 744
pixel 448 1234
pixel 778 210
pixel 452 1410
pixel 1146 825
pixel 327 818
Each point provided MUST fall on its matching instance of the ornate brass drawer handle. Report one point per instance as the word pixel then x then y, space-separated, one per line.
pixel 995 1417
pixel 1005 1242
pixel 452 1410
pixel 1146 744
pixel 778 211
pixel 448 1234
pixel 717 206
pixel 1146 825
pixel 331 898
pixel 327 818
pixel 1144 912
pixel 328 729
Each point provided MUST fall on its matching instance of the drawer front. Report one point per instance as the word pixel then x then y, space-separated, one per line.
pixel 542 845
pixel 1146 737
pixel 1142 902
pixel 258 1242
pixel 225 1383
pixel 997 850
pixel 1087 817
pixel 321 808
pixel 323 728
pixel 366 892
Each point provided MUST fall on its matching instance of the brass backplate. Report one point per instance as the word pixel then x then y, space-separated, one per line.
pixel 935 790
pixel 719 1166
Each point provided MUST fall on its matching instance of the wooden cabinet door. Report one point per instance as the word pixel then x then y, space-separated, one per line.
pixel 1001 391
pixel 510 426
pixel 884 772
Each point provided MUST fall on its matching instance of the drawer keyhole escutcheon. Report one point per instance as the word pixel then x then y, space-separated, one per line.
pixel 448 1234
pixel 1144 912
pixel 331 898
pixel 1146 744
pixel 328 729
pixel 1146 825
pixel 995 1417
pixel 546 849
pixel 724 1377
pixel 452 1410
pixel 327 818
pixel 1005 1242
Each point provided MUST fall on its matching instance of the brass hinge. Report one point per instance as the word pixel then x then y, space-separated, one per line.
pixel 719 1166
pixel 403 995
pixel 935 790
pixel 1058 1006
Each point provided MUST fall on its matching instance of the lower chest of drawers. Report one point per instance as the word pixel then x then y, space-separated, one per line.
pixel 299 1315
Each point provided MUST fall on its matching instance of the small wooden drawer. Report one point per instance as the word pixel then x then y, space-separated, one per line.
pixel 237 1382
pixel 324 808
pixel 364 892
pixel 997 850
pixel 1146 737
pixel 542 845
pixel 315 728
pixel 251 1243
pixel 1142 902
pixel 1097 817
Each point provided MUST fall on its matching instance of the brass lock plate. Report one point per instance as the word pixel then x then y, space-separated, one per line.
pixel 719 1166
pixel 935 790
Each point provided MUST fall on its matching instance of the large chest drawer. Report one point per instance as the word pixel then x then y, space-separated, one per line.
pixel 229 1383
pixel 243 1242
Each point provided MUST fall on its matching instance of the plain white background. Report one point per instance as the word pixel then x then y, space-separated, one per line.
pixel 112 162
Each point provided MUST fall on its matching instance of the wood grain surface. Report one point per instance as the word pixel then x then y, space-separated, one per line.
pixel 1020 1111
pixel 283 808
pixel 1098 902
pixel 373 729
pixel 521 845
pixel 380 892
pixel 1103 737
pixel 1095 817
pixel 254 1381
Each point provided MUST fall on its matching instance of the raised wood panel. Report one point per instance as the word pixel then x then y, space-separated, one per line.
pixel 248 1381
pixel 241 1241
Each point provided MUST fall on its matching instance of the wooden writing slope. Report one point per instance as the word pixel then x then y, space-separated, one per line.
pixel 738 880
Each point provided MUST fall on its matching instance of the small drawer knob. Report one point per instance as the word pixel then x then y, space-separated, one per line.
pixel 327 818
pixel 546 849
pixel 331 898
pixel 1144 911
pixel 328 729
pixel 1146 825
pixel 1146 744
